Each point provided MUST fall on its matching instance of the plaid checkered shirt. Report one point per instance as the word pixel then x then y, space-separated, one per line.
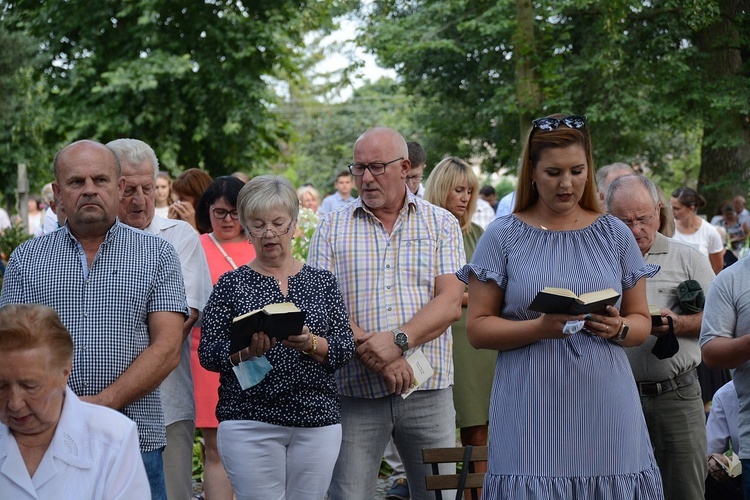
pixel 105 307
pixel 386 278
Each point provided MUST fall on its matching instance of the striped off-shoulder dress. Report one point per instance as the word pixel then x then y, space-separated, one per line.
pixel 565 417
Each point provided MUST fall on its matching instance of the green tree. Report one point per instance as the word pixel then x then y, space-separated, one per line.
pixel 187 77
pixel 24 118
pixel 324 131
pixel 647 74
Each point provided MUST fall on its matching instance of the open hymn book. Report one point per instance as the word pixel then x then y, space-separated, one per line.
pixel 275 320
pixel 563 301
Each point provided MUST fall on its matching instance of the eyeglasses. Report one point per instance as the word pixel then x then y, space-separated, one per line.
pixel 358 169
pixel 414 178
pixel 221 213
pixel 640 222
pixel 573 121
pixel 276 230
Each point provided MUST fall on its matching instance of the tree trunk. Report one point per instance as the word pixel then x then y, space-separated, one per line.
pixel 527 81
pixel 725 153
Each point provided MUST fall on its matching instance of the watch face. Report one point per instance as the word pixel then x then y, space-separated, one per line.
pixel 401 339
pixel 624 333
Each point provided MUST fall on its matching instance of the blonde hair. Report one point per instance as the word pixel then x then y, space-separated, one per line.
pixel 444 178
pixel 538 141
pixel 263 194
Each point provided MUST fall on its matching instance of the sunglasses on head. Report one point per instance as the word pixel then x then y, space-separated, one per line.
pixel 573 121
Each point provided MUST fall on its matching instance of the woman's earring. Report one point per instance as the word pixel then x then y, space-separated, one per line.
pixel 533 185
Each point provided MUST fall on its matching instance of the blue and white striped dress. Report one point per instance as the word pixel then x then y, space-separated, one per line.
pixel 565 418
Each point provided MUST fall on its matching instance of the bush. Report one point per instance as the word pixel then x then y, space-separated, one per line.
pixel 10 238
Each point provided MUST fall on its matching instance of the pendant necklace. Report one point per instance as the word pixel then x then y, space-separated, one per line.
pixel 269 273
pixel 580 210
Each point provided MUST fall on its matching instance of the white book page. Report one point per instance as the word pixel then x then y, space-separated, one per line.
pixel 421 368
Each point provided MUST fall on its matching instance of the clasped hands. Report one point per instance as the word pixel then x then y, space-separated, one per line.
pixel 378 353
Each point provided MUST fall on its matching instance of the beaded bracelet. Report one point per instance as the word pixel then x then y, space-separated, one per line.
pixel 313 348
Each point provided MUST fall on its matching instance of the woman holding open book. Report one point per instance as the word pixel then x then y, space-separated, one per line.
pixel 565 417
pixel 279 432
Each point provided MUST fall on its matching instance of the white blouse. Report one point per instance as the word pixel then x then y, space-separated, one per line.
pixel 93 455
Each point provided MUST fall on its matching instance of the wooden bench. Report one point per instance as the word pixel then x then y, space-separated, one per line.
pixel 467 479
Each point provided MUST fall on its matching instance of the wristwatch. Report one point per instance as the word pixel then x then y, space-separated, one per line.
pixel 622 333
pixel 401 339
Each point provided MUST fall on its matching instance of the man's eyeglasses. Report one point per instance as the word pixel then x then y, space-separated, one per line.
pixel 640 222
pixel 573 121
pixel 358 169
pixel 221 213
pixel 414 178
pixel 276 230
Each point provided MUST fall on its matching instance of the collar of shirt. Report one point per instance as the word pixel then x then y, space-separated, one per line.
pixel 660 245
pixel 409 204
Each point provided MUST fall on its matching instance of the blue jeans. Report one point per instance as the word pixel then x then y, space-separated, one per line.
pixel 426 419
pixel 155 471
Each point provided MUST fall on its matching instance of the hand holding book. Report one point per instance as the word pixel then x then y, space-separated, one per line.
pixel 278 321
pixel 563 301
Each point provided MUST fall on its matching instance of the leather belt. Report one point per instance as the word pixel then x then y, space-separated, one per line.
pixel 657 388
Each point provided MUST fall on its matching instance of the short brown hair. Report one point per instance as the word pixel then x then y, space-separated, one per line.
pixel 30 326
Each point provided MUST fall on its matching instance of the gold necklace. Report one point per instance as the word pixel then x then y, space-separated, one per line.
pixel 270 274
pixel 580 210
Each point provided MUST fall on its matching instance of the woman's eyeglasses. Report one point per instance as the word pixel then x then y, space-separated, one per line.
pixel 276 230
pixel 573 121
pixel 221 213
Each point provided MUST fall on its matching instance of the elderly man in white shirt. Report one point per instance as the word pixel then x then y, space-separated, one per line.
pixel 140 167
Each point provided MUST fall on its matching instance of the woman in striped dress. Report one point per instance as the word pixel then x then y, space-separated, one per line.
pixel 565 417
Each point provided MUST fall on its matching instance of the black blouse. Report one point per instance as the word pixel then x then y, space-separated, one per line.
pixel 298 391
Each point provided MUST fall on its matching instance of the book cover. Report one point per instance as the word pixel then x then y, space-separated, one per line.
pixel 278 321
pixel 563 301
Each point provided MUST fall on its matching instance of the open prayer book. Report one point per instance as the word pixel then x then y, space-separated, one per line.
pixel 421 368
pixel 275 320
pixel 563 301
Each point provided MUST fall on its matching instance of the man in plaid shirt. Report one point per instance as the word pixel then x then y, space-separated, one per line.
pixel 394 256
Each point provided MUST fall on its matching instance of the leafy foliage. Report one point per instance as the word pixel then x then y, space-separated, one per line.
pixel 10 238
pixel 187 78
pixel 324 133
pixel 639 70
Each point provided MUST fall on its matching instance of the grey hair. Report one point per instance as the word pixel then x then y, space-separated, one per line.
pixel 263 194
pixel 625 181
pixel 134 152
pixel 603 172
